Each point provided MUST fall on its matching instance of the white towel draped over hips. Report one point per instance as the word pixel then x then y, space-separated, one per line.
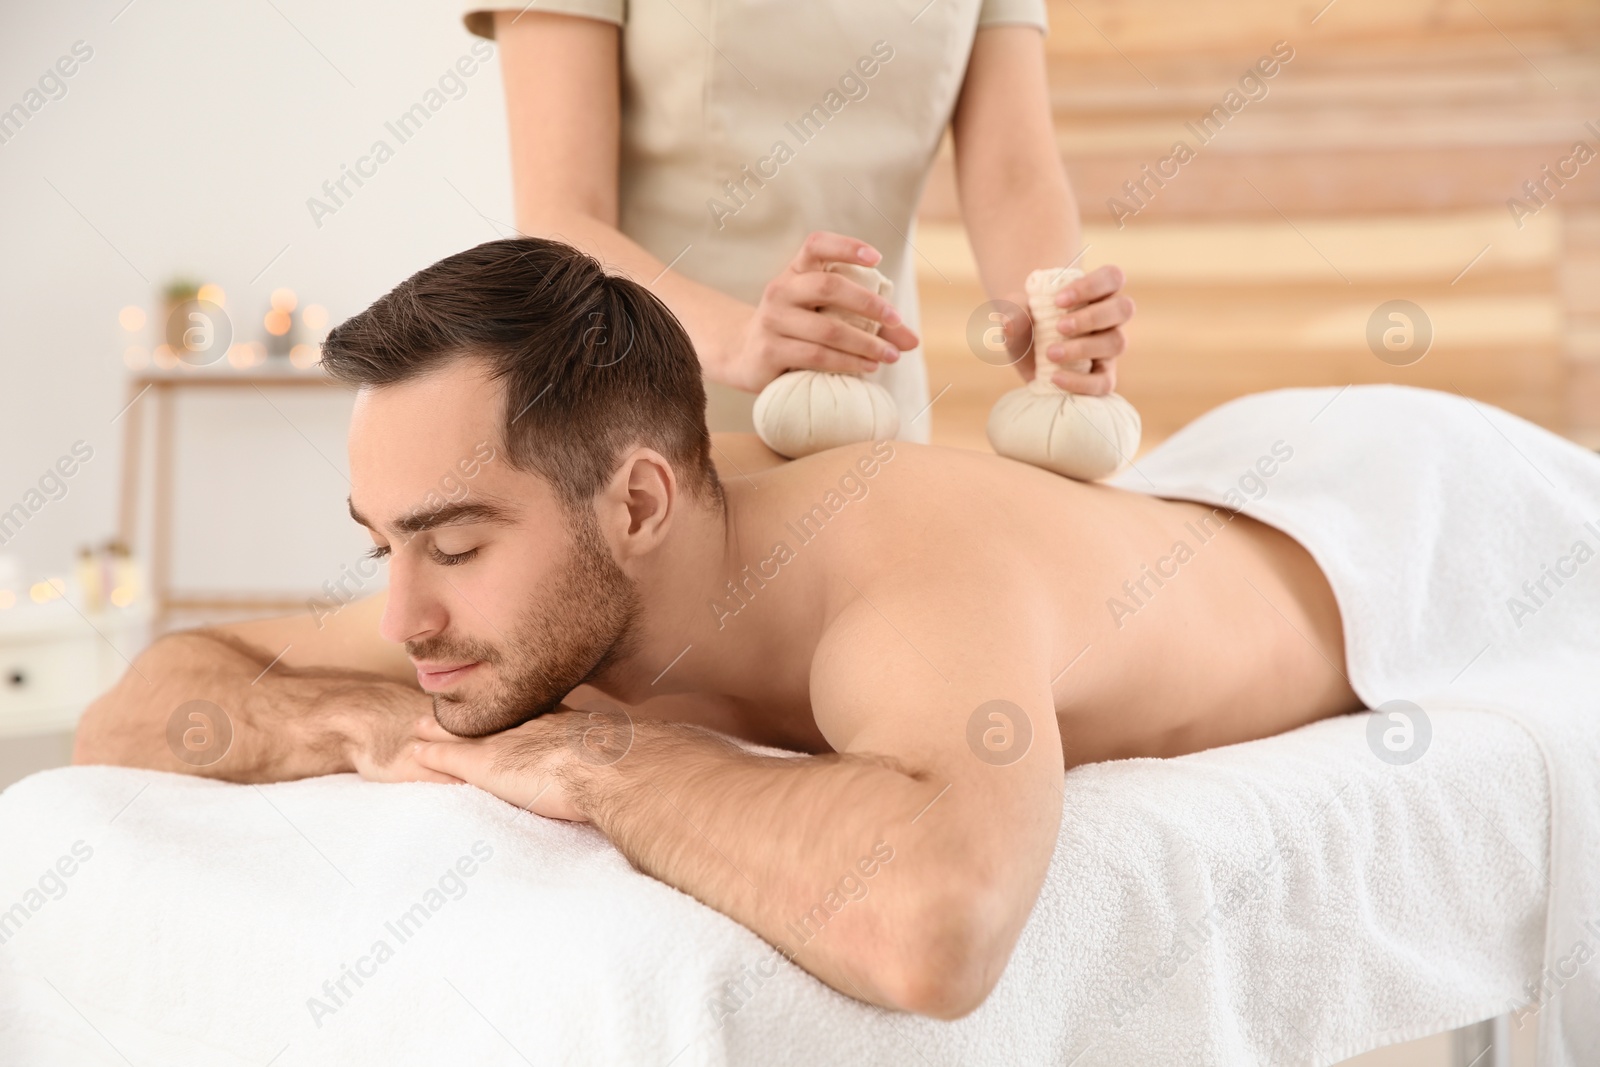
pixel 1460 541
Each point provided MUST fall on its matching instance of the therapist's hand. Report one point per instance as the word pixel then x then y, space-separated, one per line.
pixel 1094 314
pixel 789 332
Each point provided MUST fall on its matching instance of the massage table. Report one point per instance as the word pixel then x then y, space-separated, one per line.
pixel 1294 900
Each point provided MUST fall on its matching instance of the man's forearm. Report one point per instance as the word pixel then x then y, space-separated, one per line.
pixel 845 863
pixel 280 723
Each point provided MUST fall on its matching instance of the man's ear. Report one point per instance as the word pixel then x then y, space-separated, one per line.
pixel 638 505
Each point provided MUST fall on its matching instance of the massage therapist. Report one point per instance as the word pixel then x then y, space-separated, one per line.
pixel 724 150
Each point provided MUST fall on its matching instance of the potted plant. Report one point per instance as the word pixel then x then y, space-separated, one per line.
pixel 177 292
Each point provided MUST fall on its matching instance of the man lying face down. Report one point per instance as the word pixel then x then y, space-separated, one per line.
pixel 582 626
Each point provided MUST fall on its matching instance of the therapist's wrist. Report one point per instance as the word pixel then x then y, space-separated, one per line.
pixel 1018 327
pixel 1017 298
pixel 733 359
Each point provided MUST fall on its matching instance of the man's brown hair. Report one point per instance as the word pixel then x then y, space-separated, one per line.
pixel 591 363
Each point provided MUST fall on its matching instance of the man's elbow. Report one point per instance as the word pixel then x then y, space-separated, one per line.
pixel 956 947
pixel 86 745
pixel 104 734
pixel 125 725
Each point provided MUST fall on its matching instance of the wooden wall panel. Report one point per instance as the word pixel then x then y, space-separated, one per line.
pixel 1377 166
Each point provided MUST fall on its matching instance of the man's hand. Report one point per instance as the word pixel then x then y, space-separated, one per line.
pixel 528 766
pixel 384 750
pixel 1094 313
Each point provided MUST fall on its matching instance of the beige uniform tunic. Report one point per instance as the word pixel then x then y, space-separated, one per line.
pixel 746 124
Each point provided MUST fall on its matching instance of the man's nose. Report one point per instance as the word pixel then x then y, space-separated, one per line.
pixel 411 612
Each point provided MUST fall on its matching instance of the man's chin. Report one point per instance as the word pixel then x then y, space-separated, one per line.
pixel 467 718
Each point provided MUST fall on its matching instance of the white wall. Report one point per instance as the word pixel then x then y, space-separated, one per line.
pixel 189 143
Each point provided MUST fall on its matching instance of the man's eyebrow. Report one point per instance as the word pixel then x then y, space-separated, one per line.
pixel 417 521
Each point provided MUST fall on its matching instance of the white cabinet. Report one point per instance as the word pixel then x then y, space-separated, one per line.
pixel 54 661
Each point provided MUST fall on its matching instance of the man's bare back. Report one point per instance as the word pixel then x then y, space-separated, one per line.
pixel 1172 626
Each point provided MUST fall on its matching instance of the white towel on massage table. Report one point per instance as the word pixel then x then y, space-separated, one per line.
pixel 1289 901
pixel 1293 900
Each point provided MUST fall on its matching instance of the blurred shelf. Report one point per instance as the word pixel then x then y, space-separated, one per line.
pixel 55 658
pixel 164 385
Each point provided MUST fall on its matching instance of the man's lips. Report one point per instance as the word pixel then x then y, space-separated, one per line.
pixel 435 677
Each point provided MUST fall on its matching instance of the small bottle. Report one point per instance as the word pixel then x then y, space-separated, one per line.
pixel 108 577
pixel 125 575
pixel 89 581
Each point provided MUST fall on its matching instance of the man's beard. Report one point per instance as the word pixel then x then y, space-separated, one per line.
pixel 572 634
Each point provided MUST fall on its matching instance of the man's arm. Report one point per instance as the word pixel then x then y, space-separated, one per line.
pixel 901 869
pixel 276 699
pixel 1018 206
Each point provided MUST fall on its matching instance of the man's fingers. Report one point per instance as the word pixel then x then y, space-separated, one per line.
pixel 1096 285
pixel 822 247
pixel 428 728
pixel 425 775
pixel 461 761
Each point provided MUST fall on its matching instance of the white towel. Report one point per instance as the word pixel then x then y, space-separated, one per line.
pixel 1289 901
pixel 1438 521
pixel 1294 900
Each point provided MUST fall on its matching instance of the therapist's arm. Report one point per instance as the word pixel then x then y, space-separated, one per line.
pixel 563 104
pixel 1018 206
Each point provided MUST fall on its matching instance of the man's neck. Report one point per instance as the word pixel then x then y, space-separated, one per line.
pixel 681 643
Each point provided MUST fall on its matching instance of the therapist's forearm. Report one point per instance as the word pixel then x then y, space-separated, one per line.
pixel 712 318
pixel 563 85
pixel 1017 225
pixel 1016 201
pixel 1017 204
